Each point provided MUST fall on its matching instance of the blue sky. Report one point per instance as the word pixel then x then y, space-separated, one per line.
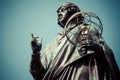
pixel 20 18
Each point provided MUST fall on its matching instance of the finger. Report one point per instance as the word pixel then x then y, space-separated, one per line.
pixel 36 37
pixel 32 35
pixel 40 40
pixel 33 38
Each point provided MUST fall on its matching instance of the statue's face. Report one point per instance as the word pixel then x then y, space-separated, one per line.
pixel 63 16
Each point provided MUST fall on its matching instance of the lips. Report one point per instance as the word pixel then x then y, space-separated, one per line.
pixel 59 18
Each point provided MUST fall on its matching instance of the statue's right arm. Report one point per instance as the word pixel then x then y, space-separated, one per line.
pixel 36 68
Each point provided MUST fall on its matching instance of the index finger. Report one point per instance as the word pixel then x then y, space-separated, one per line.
pixel 32 35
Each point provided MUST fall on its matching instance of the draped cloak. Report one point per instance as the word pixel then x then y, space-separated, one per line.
pixel 63 61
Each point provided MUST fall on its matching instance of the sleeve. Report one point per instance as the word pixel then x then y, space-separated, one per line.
pixel 36 68
pixel 40 65
pixel 112 63
pixel 110 60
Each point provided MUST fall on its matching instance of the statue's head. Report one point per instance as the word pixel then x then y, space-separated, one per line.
pixel 65 11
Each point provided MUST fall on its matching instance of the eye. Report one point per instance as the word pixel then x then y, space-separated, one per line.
pixel 62 10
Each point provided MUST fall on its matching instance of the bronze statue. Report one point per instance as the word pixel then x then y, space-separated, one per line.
pixel 78 53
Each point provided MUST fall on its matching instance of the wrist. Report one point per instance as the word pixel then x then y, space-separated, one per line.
pixel 36 52
pixel 35 56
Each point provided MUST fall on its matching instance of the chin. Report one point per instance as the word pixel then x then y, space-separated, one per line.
pixel 61 25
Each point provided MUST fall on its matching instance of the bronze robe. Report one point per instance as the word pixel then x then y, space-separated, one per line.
pixel 63 61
